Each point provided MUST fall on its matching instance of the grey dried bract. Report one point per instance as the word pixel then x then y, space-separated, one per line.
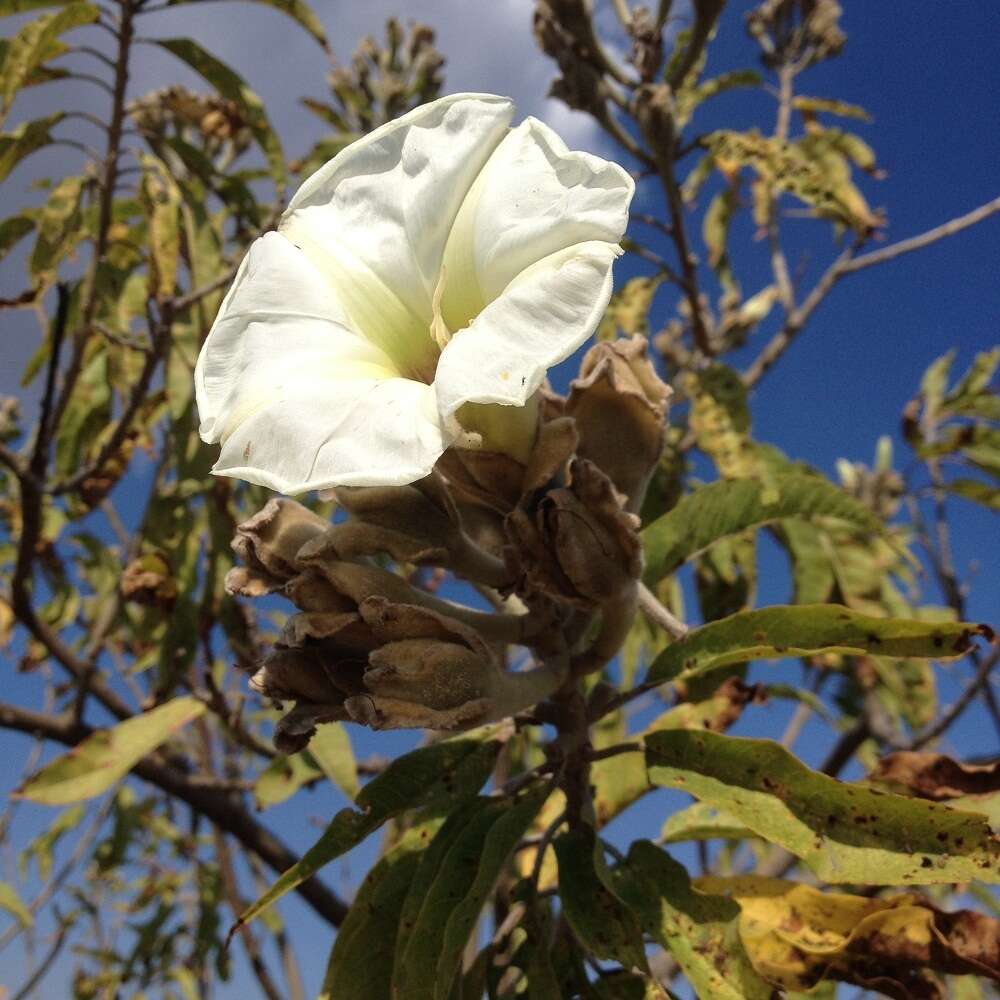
pixel 553 538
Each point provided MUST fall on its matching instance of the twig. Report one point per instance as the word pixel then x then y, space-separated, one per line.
pixel 978 682
pixel 46 963
pixel 941 232
pixel 846 264
pixel 226 812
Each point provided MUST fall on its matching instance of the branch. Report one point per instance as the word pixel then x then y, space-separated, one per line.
pixel 941 232
pixel 226 812
pixel 658 614
pixel 846 264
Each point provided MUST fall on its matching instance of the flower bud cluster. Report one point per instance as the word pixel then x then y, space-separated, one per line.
pixel 553 537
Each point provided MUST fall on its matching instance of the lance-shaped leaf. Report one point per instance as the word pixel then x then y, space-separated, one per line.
pixel 360 964
pixel 601 922
pixel 797 936
pixel 232 86
pixel 13 230
pixel 34 43
pixel 108 755
pixel 11 902
pixel 298 10
pixel 844 833
pixel 803 630
pixel 8 7
pixel 449 890
pixel 24 140
pixel 448 771
pixel 698 929
pixel 728 507
pixel 331 749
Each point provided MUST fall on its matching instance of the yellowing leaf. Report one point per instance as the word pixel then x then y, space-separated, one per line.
pixel 108 755
pixel 844 833
pixel 11 902
pixel 797 936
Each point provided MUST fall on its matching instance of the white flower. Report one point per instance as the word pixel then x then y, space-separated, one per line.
pixel 443 259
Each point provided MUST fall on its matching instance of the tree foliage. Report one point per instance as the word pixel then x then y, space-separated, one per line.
pixel 495 875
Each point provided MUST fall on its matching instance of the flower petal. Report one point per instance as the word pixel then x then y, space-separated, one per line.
pixel 379 213
pixel 279 318
pixel 353 432
pixel 542 316
pixel 297 398
pixel 534 198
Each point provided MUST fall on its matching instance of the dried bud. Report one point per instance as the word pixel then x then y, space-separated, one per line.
pixel 149 580
pixel 268 543
pixel 577 543
pixel 619 404
pixel 647 44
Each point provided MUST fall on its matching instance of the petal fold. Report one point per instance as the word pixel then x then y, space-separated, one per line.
pixel 538 320
pixel 533 198
pixel 382 208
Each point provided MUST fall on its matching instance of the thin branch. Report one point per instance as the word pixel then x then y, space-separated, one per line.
pixel 977 684
pixel 36 976
pixel 226 812
pixel 846 264
pixel 941 232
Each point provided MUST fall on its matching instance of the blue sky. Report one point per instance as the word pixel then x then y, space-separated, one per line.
pixel 930 81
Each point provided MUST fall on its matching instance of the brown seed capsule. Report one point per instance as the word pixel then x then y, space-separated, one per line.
pixel 619 404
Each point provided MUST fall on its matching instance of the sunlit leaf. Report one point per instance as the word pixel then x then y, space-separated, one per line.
pixel 33 43
pixel 107 755
pixel 725 508
pixel 806 629
pixel 11 902
pixel 796 936
pixel 844 833
pixel 24 140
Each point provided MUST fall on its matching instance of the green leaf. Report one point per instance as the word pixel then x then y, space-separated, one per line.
pixel 9 7
pixel 281 779
pixel 360 963
pixel 977 492
pixel 43 846
pixel 24 140
pixel 464 873
pixel 803 630
pixel 700 821
pixel 445 772
pixel 330 748
pixel 728 507
pixel 599 919
pixel 34 43
pixel 812 105
pixel 161 199
pixel 107 755
pixel 844 833
pixel 12 231
pixel 11 902
pixel 700 930
pixel 297 10
pixel 232 86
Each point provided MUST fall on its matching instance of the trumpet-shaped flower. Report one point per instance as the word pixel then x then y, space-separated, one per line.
pixel 442 260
